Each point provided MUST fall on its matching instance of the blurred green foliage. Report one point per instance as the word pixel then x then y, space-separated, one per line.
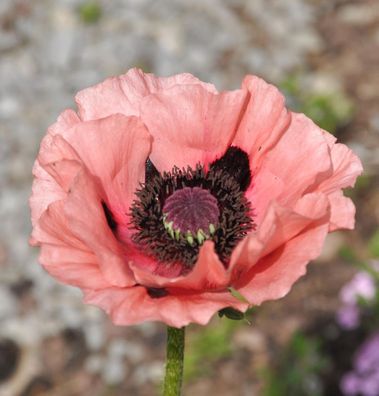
pixel 298 369
pixel 90 12
pixel 347 253
pixel 364 183
pixel 207 346
pixel 373 245
pixel 329 110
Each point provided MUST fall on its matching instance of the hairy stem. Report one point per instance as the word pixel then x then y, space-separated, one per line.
pixel 174 361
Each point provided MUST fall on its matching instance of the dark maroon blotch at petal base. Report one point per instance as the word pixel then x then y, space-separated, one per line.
pixel 156 292
pixel 236 163
pixel 109 216
pixel 191 209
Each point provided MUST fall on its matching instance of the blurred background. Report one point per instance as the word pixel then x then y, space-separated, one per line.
pixel 323 338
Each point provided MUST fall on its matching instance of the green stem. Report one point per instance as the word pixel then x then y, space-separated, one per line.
pixel 174 362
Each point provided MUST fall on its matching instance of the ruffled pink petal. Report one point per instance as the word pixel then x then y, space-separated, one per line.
pixel 133 305
pixel 265 189
pixel 60 228
pixel 346 168
pixel 60 160
pixel 207 274
pixel 300 159
pixel 72 266
pixel 249 250
pixel 64 172
pixel 310 208
pixel 45 188
pixel 123 94
pixel 66 120
pixel 86 220
pixel 55 148
pixel 342 212
pixel 115 150
pixel 279 226
pixel 264 120
pixel 273 276
pixel 145 275
pixel 191 125
pixel 64 255
pixel 54 229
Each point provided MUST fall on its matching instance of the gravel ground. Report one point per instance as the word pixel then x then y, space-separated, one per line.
pixel 48 52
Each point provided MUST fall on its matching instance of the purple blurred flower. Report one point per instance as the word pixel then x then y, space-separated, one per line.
pixel 370 386
pixel 364 378
pixel 348 317
pixel 350 384
pixel 361 285
pixel 367 357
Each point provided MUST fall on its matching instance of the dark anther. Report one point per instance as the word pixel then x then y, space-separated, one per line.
pixel 154 292
pixel 159 239
pixel 109 216
pixel 236 163
pixel 150 170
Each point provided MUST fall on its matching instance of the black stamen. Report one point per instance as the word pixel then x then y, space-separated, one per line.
pixel 154 292
pixel 236 163
pixel 150 170
pixel 236 214
pixel 109 216
pixel 147 216
pixel 234 219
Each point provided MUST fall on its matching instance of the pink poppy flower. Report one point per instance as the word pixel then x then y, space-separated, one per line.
pixel 161 197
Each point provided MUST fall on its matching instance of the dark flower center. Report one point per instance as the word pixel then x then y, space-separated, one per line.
pixel 176 211
pixel 193 211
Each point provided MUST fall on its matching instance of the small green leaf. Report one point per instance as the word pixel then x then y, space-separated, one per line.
pixel 236 294
pixel 231 313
